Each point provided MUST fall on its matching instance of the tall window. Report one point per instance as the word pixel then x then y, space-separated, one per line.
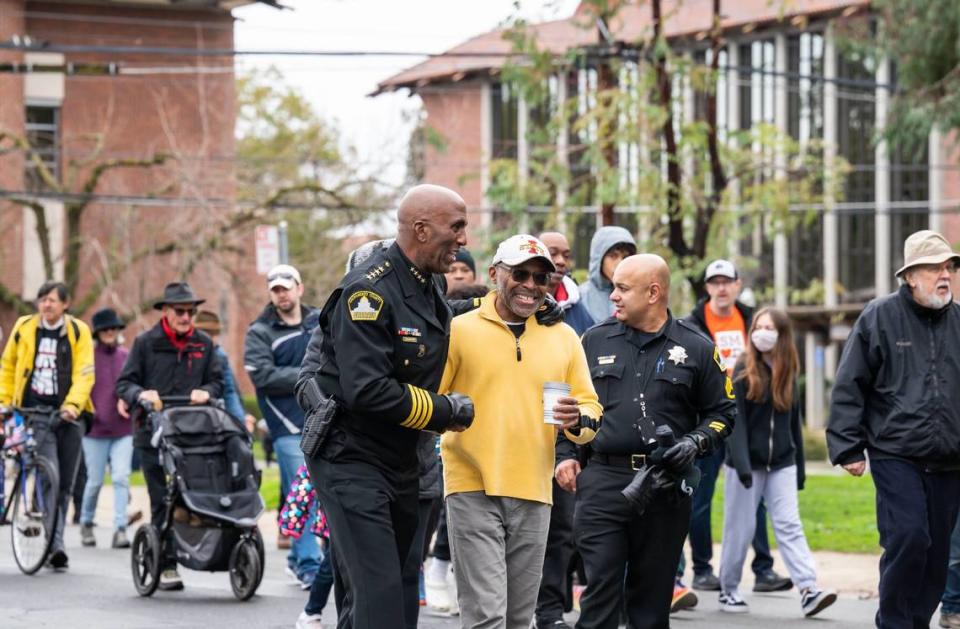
pixel 856 113
pixel 43 135
pixel 909 186
pixel 805 123
pixel 504 108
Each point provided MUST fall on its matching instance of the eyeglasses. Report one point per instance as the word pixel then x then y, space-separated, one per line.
pixel 180 312
pixel 520 276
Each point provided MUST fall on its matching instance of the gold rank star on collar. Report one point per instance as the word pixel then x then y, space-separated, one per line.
pixel 377 272
pixel 417 274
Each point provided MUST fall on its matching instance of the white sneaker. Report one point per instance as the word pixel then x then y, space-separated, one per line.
pixel 452 591
pixel 308 621
pixel 731 602
pixel 435 584
pixel 292 575
pixel 170 580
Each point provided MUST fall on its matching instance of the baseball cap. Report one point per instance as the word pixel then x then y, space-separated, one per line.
pixel 283 275
pixel 520 248
pixel 720 268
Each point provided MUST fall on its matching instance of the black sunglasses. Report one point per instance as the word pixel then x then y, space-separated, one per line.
pixel 184 311
pixel 520 276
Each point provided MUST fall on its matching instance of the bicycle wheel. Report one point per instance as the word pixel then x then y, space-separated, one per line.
pixel 34 514
pixel 245 569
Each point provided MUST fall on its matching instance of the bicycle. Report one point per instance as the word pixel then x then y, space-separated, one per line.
pixel 31 508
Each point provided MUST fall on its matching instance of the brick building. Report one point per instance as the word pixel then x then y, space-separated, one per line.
pixel 784 66
pixel 82 109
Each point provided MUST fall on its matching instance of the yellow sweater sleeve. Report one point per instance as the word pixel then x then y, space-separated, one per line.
pixel 8 368
pixel 581 387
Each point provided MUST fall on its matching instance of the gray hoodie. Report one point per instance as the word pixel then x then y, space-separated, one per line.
pixel 595 292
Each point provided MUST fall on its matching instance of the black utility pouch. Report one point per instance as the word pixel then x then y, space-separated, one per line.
pixel 316 424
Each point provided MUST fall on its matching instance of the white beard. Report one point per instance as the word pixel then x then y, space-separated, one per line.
pixel 933 300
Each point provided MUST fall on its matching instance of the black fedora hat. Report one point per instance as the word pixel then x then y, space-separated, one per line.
pixel 107 319
pixel 177 293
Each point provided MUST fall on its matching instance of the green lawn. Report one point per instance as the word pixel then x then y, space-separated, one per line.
pixel 838 512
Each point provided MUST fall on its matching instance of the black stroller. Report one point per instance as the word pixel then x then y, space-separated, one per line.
pixel 212 501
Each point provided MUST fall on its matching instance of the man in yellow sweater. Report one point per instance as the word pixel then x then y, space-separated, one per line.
pixel 497 474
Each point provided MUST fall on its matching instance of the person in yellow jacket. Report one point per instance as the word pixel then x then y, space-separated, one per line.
pixel 48 361
pixel 498 473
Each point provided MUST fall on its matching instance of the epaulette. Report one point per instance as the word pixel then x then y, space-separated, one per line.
pixel 687 325
pixel 377 271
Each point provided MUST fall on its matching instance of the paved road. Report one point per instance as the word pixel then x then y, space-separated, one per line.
pixel 97 592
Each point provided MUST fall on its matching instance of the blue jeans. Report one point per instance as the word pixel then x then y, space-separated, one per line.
pixel 304 557
pixel 320 590
pixel 96 452
pixel 951 595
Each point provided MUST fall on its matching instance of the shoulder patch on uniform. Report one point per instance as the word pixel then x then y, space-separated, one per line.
pixel 364 305
pixel 717 359
pixel 728 387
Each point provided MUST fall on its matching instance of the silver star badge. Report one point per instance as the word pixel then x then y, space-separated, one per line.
pixel 677 354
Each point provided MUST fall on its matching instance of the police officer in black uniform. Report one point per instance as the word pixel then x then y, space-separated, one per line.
pixel 649 370
pixel 384 335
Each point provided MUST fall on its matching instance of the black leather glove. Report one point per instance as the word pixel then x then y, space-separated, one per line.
pixel 550 312
pixel 461 409
pixel 747 480
pixel 680 455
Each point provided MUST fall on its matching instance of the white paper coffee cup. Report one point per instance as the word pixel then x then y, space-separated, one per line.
pixel 552 391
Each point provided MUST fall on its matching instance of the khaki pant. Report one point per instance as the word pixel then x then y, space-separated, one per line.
pixel 498 546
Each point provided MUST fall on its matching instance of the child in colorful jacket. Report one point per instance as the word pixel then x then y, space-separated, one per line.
pixel 293 520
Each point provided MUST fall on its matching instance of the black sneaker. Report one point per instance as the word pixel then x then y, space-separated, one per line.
pixel 814 601
pixel 59 560
pixel 770 581
pixel 731 603
pixel 707 582
pixel 552 624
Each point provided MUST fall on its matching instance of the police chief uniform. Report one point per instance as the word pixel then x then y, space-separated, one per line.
pixel 671 377
pixel 383 339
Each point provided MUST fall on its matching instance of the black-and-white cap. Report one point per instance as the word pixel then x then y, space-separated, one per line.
pixel 720 268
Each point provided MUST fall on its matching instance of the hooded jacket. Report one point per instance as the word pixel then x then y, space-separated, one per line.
pixel 272 354
pixel 108 363
pixel 698 318
pixel 896 392
pixel 764 438
pixel 574 312
pixel 75 369
pixel 595 292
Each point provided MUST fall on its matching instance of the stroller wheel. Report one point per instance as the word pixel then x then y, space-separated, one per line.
pixel 246 569
pixel 258 541
pixel 145 560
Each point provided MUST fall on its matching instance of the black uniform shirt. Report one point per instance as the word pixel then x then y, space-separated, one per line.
pixel 673 376
pixel 383 337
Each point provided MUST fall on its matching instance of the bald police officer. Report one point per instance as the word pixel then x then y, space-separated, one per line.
pixel 382 343
pixel 649 370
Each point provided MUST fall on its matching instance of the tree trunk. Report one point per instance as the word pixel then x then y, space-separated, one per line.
pixel 606 81
pixel 676 240
pixel 718 175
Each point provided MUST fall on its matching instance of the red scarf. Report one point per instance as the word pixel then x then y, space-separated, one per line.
pixel 183 343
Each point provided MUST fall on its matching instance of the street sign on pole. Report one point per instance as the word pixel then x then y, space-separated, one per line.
pixel 267 241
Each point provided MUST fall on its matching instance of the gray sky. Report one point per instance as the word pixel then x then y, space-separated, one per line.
pixel 338 87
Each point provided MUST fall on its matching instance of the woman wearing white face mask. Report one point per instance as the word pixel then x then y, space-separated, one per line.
pixel 765 460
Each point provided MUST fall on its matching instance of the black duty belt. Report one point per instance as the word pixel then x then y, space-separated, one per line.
pixel 629 461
